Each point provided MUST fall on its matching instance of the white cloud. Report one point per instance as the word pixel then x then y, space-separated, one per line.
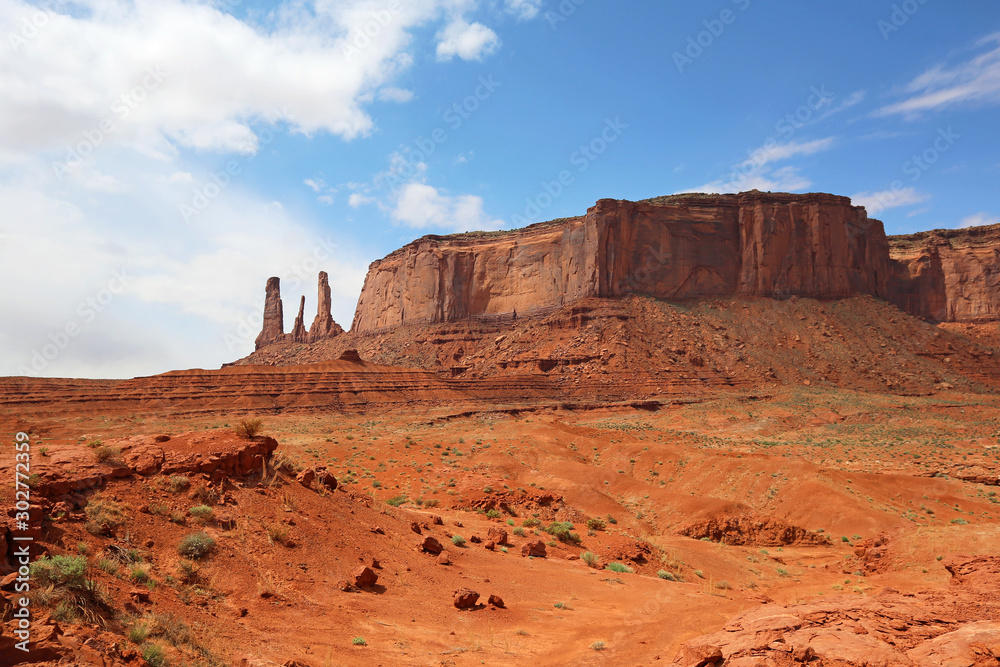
pixel 421 206
pixel 757 172
pixel 393 94
pixel 356 200
pixel 326 200
pixel 976 81
pixel 877 202
pixel 524 10
pixel 979 220
pixel 317 185
pixel 172 74
pixel 467 41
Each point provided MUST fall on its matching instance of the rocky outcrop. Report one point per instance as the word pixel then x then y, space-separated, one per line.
pixel 948 275
pixel 273 330
pixel 274 317
pixel 678 247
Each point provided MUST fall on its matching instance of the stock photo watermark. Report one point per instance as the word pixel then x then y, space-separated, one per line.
pixel 582 158
pixel 899 17
pixel 714 28
pixel 563 11
pixel 364 35
pixel 785 128
pixel 121 108
pixel 915 167
pixel 302 270
pixel 426 145
pixel 22 540
pixel 87 311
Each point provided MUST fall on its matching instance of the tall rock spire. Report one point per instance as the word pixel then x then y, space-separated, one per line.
pixel 299 330
pixel 274 322
pixel 323 326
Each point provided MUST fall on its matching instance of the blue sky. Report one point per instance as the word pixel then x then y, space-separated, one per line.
pixel 159 160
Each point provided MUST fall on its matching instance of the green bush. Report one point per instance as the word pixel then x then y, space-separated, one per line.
pixel 492 514
pixel 138 633
pixel 619 567
pixel 596 524
pixel 590 558
pixel 457 540
pixel 179 483
pixel 67 571
pixel 202 512
pixel 518 531
pixel 153 654
pixel 562 531
pixel 359 641
pixel 396 501
pixel 669 576
pixel 195 546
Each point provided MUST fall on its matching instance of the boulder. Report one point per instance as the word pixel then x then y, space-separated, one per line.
pixel 535 548
pixel 364 577
pixel 498 536
pixel 465 598
pixel 431 545
pixel 496 601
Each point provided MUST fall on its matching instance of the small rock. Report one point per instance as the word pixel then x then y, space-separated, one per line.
pixel 490 546
pixel 306 477
pixel 465 598
pixel 431 545
pixel 496 600
pixel 139 595
pixel 149 544
pixel 535 548
pixel 364 577
pixel 475 539
pixel 498 535
pixel 162 438
pixel 378 530
pixel 459 524
pixel 437 521
pixel 444 559
pixel 415 527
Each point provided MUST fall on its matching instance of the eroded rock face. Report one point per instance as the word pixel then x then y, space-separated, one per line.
pixel 678 247
pixel 948 275
pixel 274 318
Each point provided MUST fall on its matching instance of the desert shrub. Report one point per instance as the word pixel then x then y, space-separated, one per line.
pixel 562 531
pixel 208 495
pixel 457 540
pixel 103 516
pixel 596 524
pixel 107 565
pixel 153 654
pixel 179 483
pixel 518 531
pixel 359 641
pixel 60 571
pixel 598 646
pixel 279 533
pixel 64 588
pixel 94 444
pixel 590 558
pixel 396 501
pixel 138 632
pixel 619 567
pixel 285 462
pixel 492 514
pixel 960 522
pixel 431 503
pixel 248 428
pixel 669 576
pixel 139 573
pixel 195 545
pixel 110 455
pixel 82 548
pixel 530 523
pixel 202 512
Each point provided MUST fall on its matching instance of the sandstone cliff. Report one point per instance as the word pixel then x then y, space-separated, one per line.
pixel 679 247
pixel 273 330
pixel 948 275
